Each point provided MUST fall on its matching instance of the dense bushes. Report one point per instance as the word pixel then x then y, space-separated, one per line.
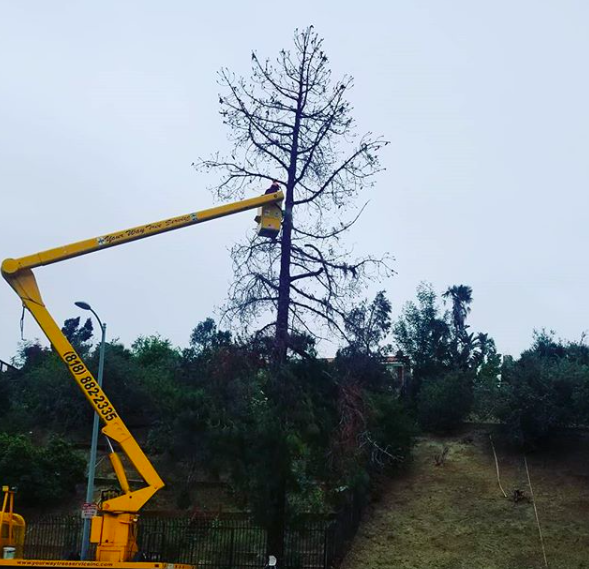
pixel 316 426
pixel 454 371
pixel 324 426
pixel 545 390
pixel 443 403
pixel 44 475
pixel 392 430
pixel 533 397
pixel 42 395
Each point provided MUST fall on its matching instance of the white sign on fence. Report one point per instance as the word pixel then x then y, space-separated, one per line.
pixel 89 510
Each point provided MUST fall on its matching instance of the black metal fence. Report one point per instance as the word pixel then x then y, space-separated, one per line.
pixel 209 543
pixel 343 528
pixel 53 537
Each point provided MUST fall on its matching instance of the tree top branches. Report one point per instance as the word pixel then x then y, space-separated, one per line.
pixel 291 122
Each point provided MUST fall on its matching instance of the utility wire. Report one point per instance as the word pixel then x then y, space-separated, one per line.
pixel 536 511
pixel 497 466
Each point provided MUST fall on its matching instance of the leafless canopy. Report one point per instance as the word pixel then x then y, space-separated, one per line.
pixel 291 122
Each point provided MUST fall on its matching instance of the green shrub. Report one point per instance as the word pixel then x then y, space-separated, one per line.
pixel 391 429
pixel 445 402
pixel 43 475
pixel 541 395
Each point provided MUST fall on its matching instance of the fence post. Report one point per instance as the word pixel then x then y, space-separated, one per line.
pixel 325 541
pixel 232 549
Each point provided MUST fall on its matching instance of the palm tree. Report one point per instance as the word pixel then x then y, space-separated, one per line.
pixel 461 297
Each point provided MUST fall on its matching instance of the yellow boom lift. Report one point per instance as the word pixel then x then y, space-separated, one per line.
pixel 114 529
pixel 12 526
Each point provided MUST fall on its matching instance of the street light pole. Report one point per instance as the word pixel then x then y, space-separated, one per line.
pixel 94 443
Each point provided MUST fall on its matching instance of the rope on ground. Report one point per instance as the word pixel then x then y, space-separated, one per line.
pixel 497 466
pixel 535 511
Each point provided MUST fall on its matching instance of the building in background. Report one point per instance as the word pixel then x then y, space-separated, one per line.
pixel 398 366
pixel 5 366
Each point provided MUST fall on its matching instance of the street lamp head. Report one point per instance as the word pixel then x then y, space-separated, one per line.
pixel 86 306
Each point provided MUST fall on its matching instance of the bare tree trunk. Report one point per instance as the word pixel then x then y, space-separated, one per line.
pixel 283 312
pixel 276 531
pixel 277 506
pixel 277 527
pixel 282 315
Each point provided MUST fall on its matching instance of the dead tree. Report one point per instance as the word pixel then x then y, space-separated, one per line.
pixel 291 123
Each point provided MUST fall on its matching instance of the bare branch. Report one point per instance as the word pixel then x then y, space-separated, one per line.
pixel 290 122
pixel 306 275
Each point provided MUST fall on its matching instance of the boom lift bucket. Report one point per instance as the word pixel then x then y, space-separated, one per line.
pixel 269 219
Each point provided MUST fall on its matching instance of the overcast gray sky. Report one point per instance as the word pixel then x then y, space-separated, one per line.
pixel 104 106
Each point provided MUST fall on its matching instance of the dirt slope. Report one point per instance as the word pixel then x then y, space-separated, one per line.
pixel 455 517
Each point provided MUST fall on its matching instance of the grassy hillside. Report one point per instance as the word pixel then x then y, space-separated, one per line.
pixel 455 517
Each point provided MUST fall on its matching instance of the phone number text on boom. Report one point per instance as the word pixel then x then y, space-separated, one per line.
pixel 103 406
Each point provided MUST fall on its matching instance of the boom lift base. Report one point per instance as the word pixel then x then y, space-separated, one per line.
pixel 62 564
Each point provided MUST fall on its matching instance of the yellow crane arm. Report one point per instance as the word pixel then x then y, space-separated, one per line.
pixel 11 266
pixel 19 275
